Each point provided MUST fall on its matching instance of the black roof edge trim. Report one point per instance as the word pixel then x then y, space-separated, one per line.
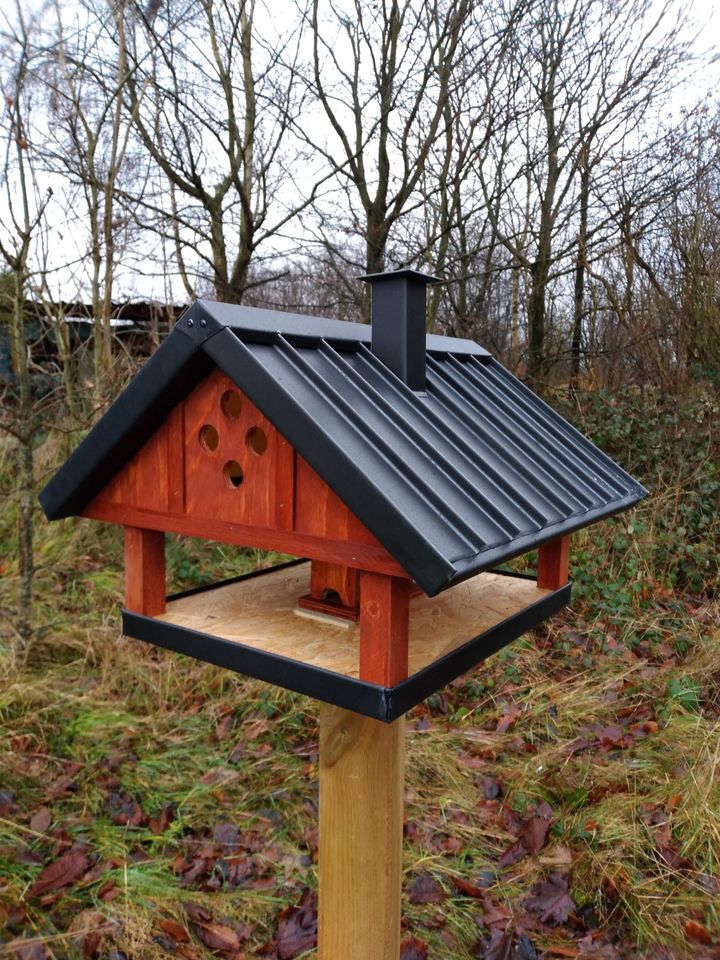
pixel 467 566
pixel 301 431
pixel 167 377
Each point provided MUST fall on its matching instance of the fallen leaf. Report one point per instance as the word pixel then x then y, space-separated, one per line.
pixel 673 858
pixel 534 829
pixel 197 913
pixel 162 821
pixel 469 889
pixel 413 949
pixel 470 761
pixel 514 854
pixel 508 718
pixel 499 946
pixel 226 834
pixel 216 936
pixel 175 930
pixel 41 820
pixel 61 873
pixel 525 949
pixel 224 728
pixel 697 932
pixel 297 927
pixel 614 736
pixel 494 915
pixel 425 889
pixel 551 899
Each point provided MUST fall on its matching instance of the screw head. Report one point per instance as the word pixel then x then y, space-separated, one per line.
pixel 190 321
pixel 203 323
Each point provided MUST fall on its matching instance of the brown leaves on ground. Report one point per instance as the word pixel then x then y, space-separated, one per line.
pixel 60 873
pixel 697 932
pixel 218 937
pixel 531 833
pixel 413 949
pixel 41 820
pixel 425 889
pixel 551 899
pixel 297 927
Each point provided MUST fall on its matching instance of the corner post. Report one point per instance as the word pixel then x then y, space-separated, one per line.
pixel 144 571
pixel 554 563
pixel 362 770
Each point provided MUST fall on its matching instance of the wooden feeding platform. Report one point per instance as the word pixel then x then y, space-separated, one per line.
pixel 402 470
pixel 253 625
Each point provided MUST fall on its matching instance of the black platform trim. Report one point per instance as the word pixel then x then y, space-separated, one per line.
pixel 368 699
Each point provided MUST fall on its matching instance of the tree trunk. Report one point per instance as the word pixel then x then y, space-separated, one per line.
pixel 579 294
pixel 26 474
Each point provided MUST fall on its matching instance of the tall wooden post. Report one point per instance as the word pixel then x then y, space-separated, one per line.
pixel 362 768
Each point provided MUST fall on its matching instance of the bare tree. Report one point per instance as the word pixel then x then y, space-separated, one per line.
pixel 383 76
pixel 25 207
pixel 85 72
pixel 213 92
pixel 592 70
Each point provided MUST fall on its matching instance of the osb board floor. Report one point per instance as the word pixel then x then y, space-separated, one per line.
pixel 260 613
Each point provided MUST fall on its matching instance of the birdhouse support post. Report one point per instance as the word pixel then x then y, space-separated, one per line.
pixel 145 571
pixel 362 770
pixel 553 563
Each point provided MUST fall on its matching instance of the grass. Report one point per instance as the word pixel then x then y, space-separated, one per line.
pixel 615 710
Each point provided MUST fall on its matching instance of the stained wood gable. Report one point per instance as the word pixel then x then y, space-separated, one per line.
pixel 217 468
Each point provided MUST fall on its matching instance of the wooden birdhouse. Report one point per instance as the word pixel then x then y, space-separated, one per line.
pixel 401 470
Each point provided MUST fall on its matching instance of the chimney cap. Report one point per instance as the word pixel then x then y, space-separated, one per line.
pixel 405 273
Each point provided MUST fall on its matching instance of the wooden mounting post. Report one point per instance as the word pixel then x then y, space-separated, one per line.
pixel 361 826
pixel 362 767
pixel 144 571
pixel 553 563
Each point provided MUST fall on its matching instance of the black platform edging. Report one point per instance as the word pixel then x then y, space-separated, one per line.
pixel 316 682
pixel 422 684
pixel 368 699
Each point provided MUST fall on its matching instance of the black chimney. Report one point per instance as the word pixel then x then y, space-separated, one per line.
pixel 398 316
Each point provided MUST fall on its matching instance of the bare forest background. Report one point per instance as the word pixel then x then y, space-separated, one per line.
pixel 555 162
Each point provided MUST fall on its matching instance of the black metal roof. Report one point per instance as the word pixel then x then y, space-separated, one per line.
pixel 452 480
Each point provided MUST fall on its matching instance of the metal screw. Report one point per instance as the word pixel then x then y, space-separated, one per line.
pixel 190 321
pixel 203 323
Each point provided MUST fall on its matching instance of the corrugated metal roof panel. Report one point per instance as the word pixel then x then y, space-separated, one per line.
pixel 472 471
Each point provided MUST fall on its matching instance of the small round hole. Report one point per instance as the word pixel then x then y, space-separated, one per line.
pixel 331 596
pixel 208 438
pixel 232 471
pixel 231 404
pixel 256 440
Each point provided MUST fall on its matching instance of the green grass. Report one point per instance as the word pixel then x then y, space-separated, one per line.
pixel 98 723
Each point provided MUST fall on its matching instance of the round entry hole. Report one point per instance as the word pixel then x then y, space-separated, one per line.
pixel 256 441
pixel 208 438
pixel 231 404
pixel 232 471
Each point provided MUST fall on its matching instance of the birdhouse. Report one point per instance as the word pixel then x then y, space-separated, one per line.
pixel 400 469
